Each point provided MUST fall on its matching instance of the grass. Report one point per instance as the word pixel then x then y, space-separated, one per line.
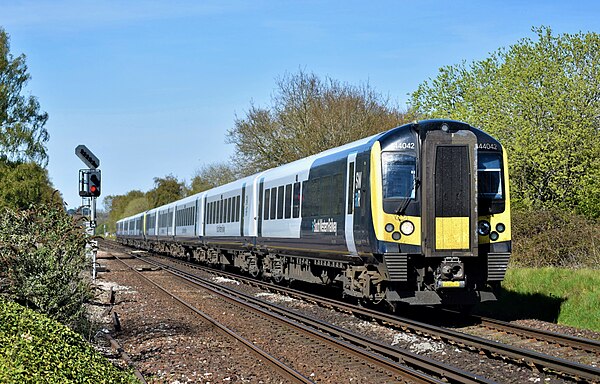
pixel 564 296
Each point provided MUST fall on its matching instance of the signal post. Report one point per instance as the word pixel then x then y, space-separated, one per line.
pixel 90 186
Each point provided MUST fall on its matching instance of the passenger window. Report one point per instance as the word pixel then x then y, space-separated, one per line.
pixel 296 205
pixel 228 212
pixel 237 208
pixel 223 211
pixel 288 201
pixel 267 204
pixel 220 213
pixel 273 202
pixel 280 202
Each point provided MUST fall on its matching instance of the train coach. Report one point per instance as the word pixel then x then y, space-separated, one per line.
pixel 418 214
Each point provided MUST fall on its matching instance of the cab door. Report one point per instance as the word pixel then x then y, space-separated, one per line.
pixel 449 194
pixel 350 193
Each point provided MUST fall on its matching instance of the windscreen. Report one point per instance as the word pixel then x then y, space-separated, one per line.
pixel 489 175
pixel 398 171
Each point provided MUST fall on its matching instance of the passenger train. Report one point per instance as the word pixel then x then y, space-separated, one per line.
pixel 418 214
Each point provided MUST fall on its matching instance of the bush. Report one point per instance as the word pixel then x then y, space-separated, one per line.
pixel 36 349
pixel 554 238
pixel 42 261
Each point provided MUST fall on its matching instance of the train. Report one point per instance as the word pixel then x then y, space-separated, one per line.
pixel 418 215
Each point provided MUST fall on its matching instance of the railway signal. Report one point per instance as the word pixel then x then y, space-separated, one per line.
pixel 89 186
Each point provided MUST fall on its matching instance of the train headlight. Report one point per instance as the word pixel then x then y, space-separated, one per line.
pixel 500 227
pixel 407 228
pixel 494 236
pixel 389 227
pixel 396 236
pixel 483 228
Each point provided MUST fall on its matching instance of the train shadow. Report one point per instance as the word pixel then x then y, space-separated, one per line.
pixel 518 306
pixel 509 306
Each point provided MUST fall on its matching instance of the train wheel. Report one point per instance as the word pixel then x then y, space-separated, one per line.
pixel 253 266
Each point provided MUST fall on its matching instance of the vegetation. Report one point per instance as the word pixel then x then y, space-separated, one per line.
pixel 565 296
pixel 36 349
pixel 552 237
pixel 42 258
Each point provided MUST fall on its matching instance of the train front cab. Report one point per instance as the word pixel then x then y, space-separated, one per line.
pixel 441 215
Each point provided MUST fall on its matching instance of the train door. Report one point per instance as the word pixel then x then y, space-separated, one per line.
pixel 449 193
pixel 242 209
pixel 171 227
pixel 349 217
pixel 261 189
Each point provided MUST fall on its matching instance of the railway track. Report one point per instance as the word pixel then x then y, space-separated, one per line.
pixel 533 359
pixel 366 357
pixel 565 341
pixel 285 370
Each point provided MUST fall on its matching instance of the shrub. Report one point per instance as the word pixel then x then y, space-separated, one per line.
pixel 36 349
pixel 42 260
pixel 554 238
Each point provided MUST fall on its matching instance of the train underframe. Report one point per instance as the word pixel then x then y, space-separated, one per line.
pixel 391 279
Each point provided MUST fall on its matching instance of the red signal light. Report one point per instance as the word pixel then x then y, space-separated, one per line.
pixel 93 188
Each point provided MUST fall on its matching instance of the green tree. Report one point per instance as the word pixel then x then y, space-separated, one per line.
pixel 137 205
pixel 166 189
pixel 308 115
pixel 22 132
pixel 116 205
pixel 541 99
pixel 211 176
pixel 22 184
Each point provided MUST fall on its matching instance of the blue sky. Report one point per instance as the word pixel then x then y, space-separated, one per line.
pixel 151 87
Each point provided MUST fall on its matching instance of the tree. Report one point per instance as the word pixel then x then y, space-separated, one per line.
pixel 22 132
pixel 308 115
pixel 136 206
pixel 22 184
pixel 541 99
pixel 166 190
pixel 211 176
pixel 116 205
